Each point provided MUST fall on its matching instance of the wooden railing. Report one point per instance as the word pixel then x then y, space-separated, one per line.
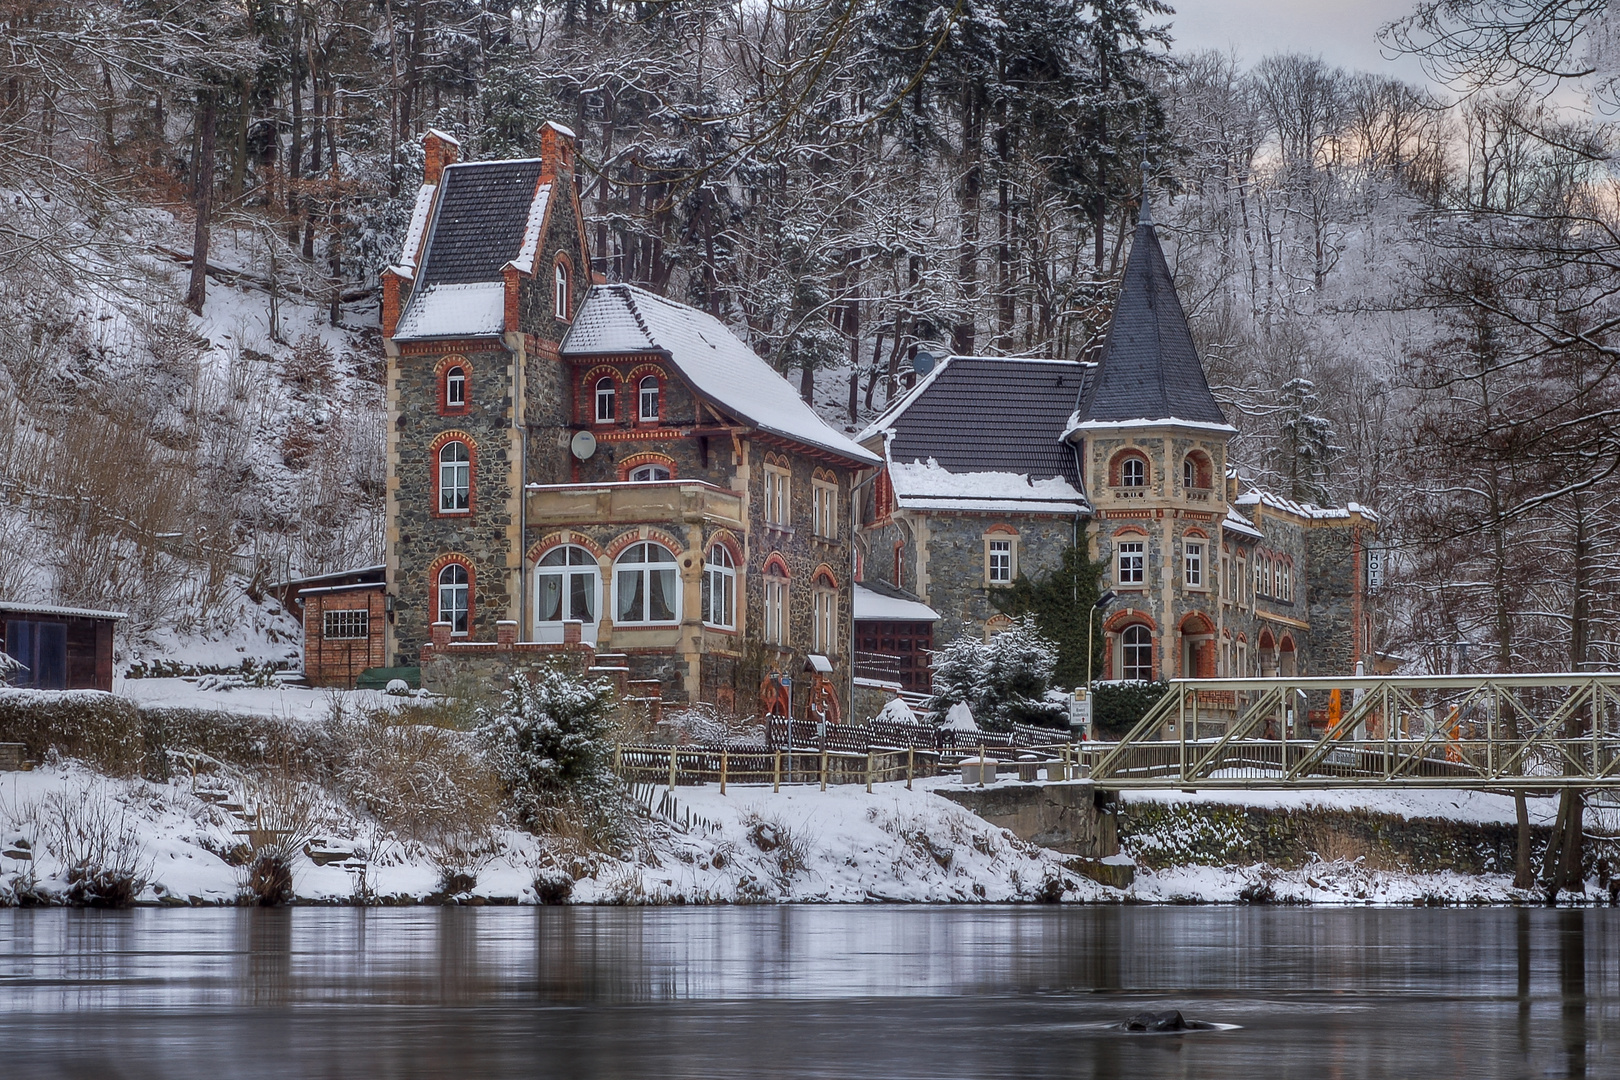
pixel 685 766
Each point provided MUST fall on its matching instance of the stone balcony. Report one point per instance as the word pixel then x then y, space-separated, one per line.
pixel 687 501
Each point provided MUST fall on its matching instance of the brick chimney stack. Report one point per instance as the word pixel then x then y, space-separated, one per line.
pixel 556 151
pixel 442 149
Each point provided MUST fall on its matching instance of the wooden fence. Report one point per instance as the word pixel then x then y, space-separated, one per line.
pixel 881 734
pixel 676 766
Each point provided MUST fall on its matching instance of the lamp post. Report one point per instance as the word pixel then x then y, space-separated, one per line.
pixel 1108 596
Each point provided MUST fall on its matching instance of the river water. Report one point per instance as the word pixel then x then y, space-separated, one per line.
pixel 808 992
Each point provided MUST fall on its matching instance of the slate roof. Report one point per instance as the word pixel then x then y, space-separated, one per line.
pixel 983 414
pixel 1150 368
pixel 619 319
pixel 480 222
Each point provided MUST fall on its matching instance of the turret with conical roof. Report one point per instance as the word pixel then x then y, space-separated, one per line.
pixel 1150 368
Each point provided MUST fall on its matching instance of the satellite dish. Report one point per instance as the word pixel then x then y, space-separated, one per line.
pixel 583 446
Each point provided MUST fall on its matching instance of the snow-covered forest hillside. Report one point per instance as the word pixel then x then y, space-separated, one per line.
pixel 1402 301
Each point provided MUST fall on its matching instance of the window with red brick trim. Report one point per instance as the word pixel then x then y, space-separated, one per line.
pixel 649 400
pixel 455 478
pixel 453 592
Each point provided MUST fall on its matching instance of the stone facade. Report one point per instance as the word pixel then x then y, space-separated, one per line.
pixel 530 493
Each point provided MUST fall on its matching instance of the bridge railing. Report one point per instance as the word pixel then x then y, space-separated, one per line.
pixel 1527 731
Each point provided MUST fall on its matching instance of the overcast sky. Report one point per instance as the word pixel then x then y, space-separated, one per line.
pixel 1342 32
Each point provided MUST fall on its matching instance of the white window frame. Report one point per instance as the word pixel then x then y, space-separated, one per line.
pixel 578 562
pixel 346 624
pixel 998 560
pixel 824 509
pixel 778 497
pixel 650 473
pixel 1133 463
pixel 1130 562
pixel 720 589
pixel 455 479
pixel 776 610
pixel 824 619
pixel 607 400
pixel 1192 563
pixel 455 387
pixel 1130 653
pixel 560 295
pixel 648 393
pixel 455 599
pixel 1189 472
pixel 634 564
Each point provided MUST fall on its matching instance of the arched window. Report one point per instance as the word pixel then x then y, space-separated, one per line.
pixel 455 478
pixel 1189 473
pixel 649 399
pixel 776 605
pixel 1133 472
pixel 824 615
pixel 720 589
pixel 649 472
pixel 1136 653
pixel 646 588
pixel 606 400
pixel 455 388
pixel 567 588
pixel 561 298
pixel 1287 588
pixel 453 597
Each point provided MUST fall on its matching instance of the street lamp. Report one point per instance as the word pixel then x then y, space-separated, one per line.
pixel 1108 597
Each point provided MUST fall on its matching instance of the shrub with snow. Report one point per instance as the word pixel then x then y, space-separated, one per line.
pixel 896 711
pixel 547 741
pixel 398 688
pixel 960 718
pixel 1004 680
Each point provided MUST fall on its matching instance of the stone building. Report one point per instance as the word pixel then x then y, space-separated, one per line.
pixel 573 460
pixel 991 466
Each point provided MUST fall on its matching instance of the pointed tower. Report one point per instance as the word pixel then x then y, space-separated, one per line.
pixel 1152 440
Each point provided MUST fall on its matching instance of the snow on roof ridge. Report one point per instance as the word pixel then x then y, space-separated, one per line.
pixel 1306 509
pixel 1077 425
pixel 411 250
pixel 905 400
pixel 530 249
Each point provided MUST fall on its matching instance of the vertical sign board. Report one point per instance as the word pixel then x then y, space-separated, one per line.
pixel 1375 569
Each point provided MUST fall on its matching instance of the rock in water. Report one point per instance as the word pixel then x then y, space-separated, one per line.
pixel 1159 1021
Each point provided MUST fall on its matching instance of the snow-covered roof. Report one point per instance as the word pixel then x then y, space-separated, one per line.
pixel 1237 523
pixel 411 250
pixel 1262 497
pixel 66 612
pixel 322 589
pixel 465 310
pixel 531 231
pixel 929 486
pixel 618 319
pixel 873 606
pixel 991 415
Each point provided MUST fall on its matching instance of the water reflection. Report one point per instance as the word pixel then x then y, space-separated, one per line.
pixel 720 992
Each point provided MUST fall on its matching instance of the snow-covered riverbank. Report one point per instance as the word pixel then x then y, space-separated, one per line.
pixel 748 846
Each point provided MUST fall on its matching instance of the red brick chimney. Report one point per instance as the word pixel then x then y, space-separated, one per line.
pixel 556 151
pixel 442 149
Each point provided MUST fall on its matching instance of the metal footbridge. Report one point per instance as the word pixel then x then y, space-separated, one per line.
pixel 1509 732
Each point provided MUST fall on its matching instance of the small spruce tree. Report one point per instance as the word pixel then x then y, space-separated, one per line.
pixel 547 741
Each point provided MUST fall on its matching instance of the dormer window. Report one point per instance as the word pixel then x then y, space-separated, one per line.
pixel 561 298
pixel 455 388
pixel 649 399
pixel 606 405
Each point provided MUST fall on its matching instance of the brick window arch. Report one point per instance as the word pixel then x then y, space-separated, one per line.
pixel 605 400
pixel 1196 471
pixel 453 583
pixel 777 617
pixel 824 612
pixel 641 468
pixel 649 399
pixel 454 377
pixel 1130 469
pixel 454 465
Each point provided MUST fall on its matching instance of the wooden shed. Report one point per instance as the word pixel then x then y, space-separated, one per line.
pixel 59 648
pixel 344 616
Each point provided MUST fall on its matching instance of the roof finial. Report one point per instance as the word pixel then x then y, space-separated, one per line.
pixel 1146 215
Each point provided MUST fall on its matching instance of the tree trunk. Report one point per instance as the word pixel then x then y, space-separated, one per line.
pixel 203 201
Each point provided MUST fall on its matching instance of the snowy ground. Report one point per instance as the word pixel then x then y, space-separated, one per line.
pixel 747 846
pixel 276 701
pixel 1474 807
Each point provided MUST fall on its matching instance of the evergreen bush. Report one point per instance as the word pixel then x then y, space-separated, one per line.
pixel 1119 706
